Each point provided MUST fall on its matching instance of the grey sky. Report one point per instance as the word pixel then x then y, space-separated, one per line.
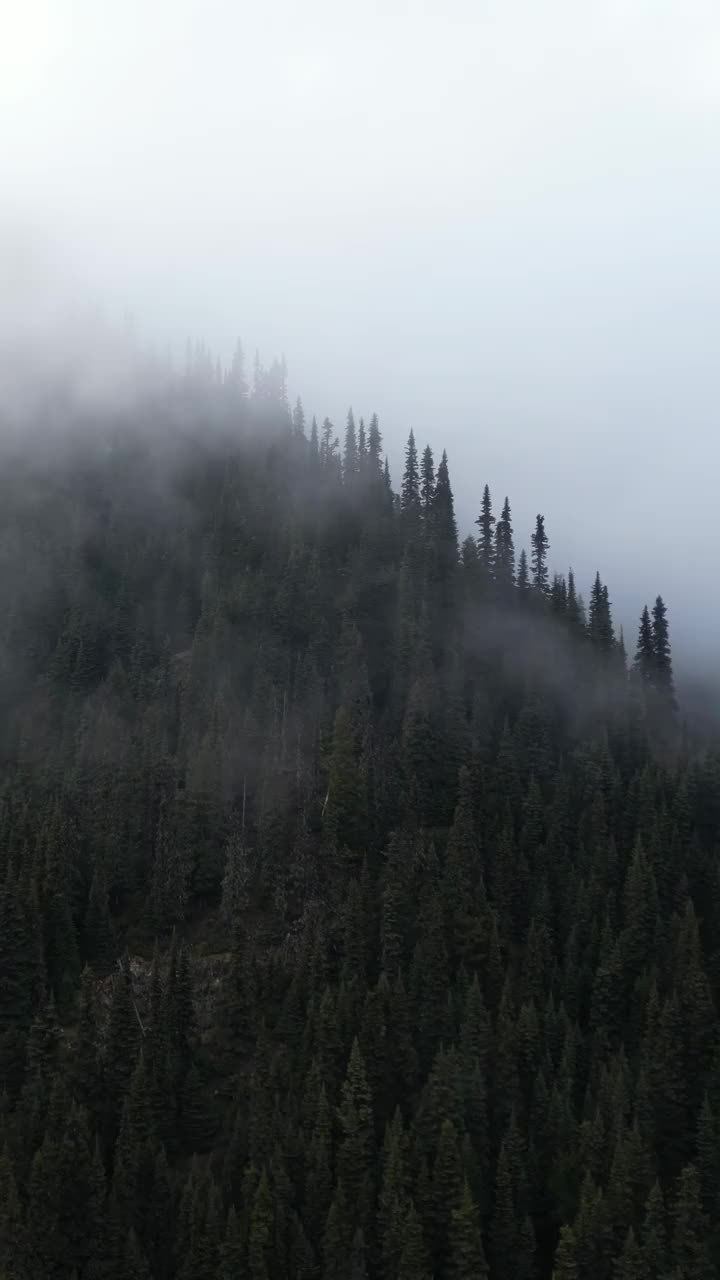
pixel 495 222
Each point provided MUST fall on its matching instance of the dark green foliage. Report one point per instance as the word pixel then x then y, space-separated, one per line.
pixel 662 664
pixel 504 549
pixel 540 545
pixel 689 1236
pixel 98 940
pixel 565 1262
pixel 486 539
pixel 645 656
pixel 413 1258
pixel 467 1256
pixel 396 898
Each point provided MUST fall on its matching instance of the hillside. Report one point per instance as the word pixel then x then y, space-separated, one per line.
pixel 361 910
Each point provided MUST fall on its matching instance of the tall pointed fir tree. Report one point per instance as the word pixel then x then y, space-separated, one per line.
pixel 486 539
pixel 504 549
pixel 662 664
pixel 644 665
pixel 410 490
pixel 350 453
pixel 427 483
pixel 540 545
pixel 374 447
pixel 523 577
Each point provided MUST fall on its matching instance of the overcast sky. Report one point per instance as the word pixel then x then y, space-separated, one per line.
pixel 494 221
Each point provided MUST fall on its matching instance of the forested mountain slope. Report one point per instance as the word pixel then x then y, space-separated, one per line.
pixel 360 910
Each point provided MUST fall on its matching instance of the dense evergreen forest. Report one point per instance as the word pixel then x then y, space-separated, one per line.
pixel 360 906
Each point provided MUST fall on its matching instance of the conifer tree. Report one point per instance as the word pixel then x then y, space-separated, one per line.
pixel 689 1237
pixel 523 577
pixel 645 656
pixel 631 1265
pixel 98 941
pixel 600 622
pixel 236 879
pixel 540 546
pixel 573 611
pixel 13 1243
pixel 354 1157
pixel 410 491
pixel 337 1238
pixel 362 449
pixel 298 419
pixel 314 441
pixel 350 454
pixel 662 662
pixel 135 1266
pixel 260 1231
pixel 413 1258
pixel 443 518
pixel 504 548
pixel 374 447
pixel 486 539
pixel 565 1263
pixel 427 483
pixel 467 1256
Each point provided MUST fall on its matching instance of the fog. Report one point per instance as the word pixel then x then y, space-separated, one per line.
pixel 494 222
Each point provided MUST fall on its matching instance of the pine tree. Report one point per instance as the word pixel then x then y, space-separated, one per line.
pixel 600 626
pixel 260 1231
pixel 573 611
pixel 314 441
pixel 135 1265
pixel 444 526
pixel 134 1156
pixel 540 545
pixel 523 577
pixel 410 491
pixel 350 454
pixel 236 879
pixel 374 447
pixel 645 656
pixel 413 1258
pixel 467 1256
pixel 427 483
pixel 689 1238
pixel 13 1244
pixel 565 1263
pixel 98 940
pixel 486 539
pixel 504 549
pixel 662 662
pixel 393 1199
pixel 630 1265
pixel 337 1238
pixel 447 1190
pixel 354 1157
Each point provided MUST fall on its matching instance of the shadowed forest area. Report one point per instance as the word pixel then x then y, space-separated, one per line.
pixel 360 905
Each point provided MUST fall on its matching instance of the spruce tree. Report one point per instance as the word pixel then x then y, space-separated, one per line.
pixel 355 1152
pixel 350 453
pixel 486 539
pixel 467 1256
pixel 689 1237
pixel 98 940
pixel 565 1262
pixel 540 545
pixel 523 577
pixel 662 662
pixel 410 491
pixel 504 549
pixel 427 483
pixel 414 1263
pixel 645 657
